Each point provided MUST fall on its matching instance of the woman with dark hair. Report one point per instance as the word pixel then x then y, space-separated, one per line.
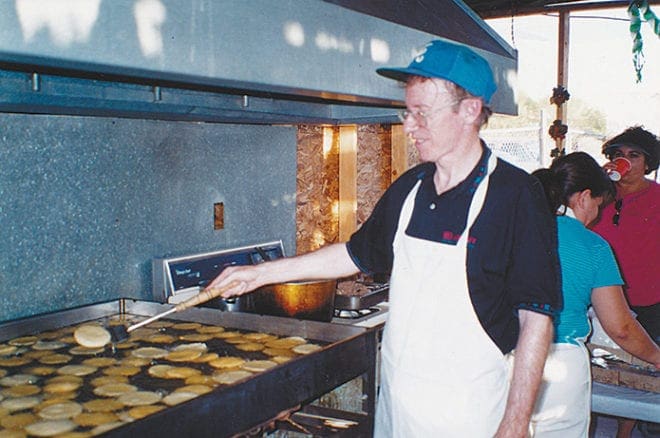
pixel 576 188
pixel 631 225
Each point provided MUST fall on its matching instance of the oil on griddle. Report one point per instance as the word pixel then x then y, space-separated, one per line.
pixel 50 385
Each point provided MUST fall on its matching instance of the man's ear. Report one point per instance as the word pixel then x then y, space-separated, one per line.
pixel 471 109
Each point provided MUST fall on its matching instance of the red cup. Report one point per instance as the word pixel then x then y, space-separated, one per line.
pixel 622 166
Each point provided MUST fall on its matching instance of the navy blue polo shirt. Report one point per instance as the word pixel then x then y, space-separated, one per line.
pixel 512 260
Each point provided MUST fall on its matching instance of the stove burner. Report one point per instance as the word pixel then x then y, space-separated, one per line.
pixel 355 314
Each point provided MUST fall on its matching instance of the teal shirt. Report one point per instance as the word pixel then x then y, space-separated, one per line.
pixel 587 262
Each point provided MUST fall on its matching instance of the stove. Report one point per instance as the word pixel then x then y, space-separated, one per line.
pixel 372 317
pixel 361 302
pixel 179 278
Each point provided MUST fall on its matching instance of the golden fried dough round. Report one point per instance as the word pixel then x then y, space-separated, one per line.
pixel 6 350
pixel 98 430
pixel 227 334
pixel 80 350
pixel 12 433
pixel 102 405
pixel 121 370
pixel 206 357
pixel 197 346
pixel 187 326
pixel 100 361
pixel 229 377
pixel 14 361
pixel 50 427
pixel 196 337
pixel 114 389
pixel 21 390
pixel 23 341
pixel 160 338
pixel 227 362
pixel 92 336
pixel 149 352
pixel 61 387
pixel 89 419
pixel 125 345
pixel 197 389
pixel 282 352
pixel 41 370
pixel 178 397
pixel 19 403
pixel 60 411
pixel 211 329
pixel 306 348
pixel 60 396
pixel 48 345
pixel 289 342
pixel 143 411
pixel 17 421
pixel 159 371
pixel 105 380
pixel 65 378
pixel 201 379
pixel 258 365
pixel 133 361
pixel 18 379
pixel 185 355
pixel 259 337
pixel 76 370
pixel 181 372
pixel 37 354
pixel 139 398
pixel 250 346
pixel 281 359
pixel 55 359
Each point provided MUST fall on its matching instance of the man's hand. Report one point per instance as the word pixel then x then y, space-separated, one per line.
pixel 536 332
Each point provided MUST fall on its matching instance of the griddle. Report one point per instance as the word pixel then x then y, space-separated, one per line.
pixel 347 352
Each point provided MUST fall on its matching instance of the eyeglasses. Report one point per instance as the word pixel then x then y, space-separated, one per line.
pixel 617 208
pixel 421 118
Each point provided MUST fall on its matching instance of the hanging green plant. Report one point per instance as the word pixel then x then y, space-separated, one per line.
pixel 637 10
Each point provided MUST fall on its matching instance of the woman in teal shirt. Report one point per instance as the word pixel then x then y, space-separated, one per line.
pixel 576 188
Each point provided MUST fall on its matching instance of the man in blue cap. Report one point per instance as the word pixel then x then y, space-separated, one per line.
pixel 471 251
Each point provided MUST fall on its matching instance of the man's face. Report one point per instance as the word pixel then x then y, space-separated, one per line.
pixel 433 121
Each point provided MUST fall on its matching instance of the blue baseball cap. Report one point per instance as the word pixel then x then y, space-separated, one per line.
pixel 450 61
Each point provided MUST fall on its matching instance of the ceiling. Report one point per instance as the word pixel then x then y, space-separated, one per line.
pixel 462 20
pixel 507 8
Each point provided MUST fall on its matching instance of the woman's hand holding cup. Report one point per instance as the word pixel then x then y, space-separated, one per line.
pixel 617 168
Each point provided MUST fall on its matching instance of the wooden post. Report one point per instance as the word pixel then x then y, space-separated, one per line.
pixel 399 152
pixel 347 181
pixel 562 67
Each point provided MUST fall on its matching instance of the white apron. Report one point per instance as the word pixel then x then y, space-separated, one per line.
pixel 563 406
pixel 441 374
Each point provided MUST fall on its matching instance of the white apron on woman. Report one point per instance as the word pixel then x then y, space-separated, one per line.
pixel 563 406
pixel 442 375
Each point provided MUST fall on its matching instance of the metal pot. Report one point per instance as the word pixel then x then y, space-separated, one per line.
pixel 313 300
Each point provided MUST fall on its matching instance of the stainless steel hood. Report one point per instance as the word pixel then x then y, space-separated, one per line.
pixel 289 61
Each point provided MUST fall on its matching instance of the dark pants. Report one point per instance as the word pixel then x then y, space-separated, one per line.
pixel 649 318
